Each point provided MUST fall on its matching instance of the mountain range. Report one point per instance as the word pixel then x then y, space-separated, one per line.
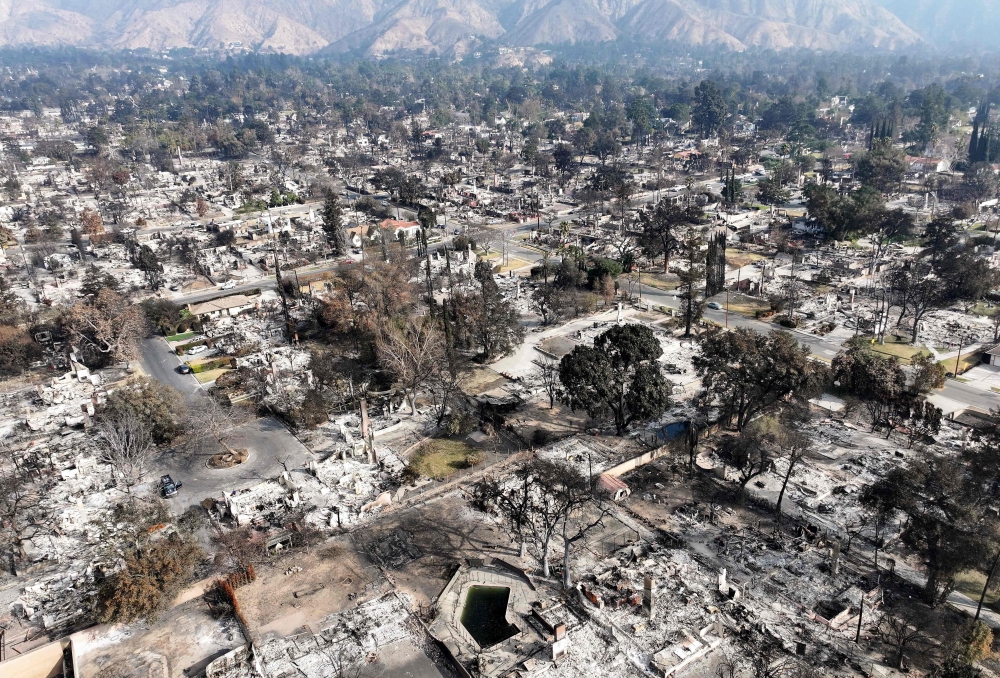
pixel 951 22
pixel 453 27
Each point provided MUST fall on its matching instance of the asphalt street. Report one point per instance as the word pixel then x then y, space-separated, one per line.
pixel 820 347
pixel 271 445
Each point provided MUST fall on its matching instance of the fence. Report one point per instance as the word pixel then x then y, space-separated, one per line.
pixel 609 544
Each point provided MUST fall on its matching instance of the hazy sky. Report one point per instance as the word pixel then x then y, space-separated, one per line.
pixel 951 21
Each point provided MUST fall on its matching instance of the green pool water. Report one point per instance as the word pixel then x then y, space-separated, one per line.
pixel 484 614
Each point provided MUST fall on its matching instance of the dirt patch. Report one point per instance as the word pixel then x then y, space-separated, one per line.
pixel 229 459
pixel 554 423
pixel 481 380
pixel 557 346
pixel 211 375
pixel 200 283
pixel 445 532
pixel 333 577
pixel 737 259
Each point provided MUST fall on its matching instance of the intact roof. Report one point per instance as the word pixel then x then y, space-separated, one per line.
pixel 221 304
pixel 396 223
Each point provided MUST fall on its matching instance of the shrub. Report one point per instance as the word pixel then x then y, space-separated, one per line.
pixel 211 365
pixel 460 422
pixel 17 350
pixel 149 580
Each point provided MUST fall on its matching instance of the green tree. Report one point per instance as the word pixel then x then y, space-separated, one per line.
pixel 563 157
pixel 748 373
pixel 618 375
pixel 145 260
pixel 486 320
pixel 164 314
pixel 843 216
pixel 752 451
pixel 333 224
pixel 967 277
pixel 883 167
pixel 692 276
pixel 934 115
pixel 732 188
pixel 95 280
pixel 878 381
pixel 946 521
pixel 661 226
pixel 917 290
pixel 709 112
pixel 158 406
pixel 97 138
pixel 940 236
pixel 771 192
pixel 883 228
pixel 642 116
pixel 529 152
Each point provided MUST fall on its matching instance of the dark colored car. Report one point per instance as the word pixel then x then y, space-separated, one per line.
pixel 184 369
pixel 168 488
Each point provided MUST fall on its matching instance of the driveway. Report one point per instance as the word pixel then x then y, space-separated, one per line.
pixel 271 444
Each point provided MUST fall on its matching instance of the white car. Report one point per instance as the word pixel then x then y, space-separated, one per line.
pixel 229 285
pixel 197 349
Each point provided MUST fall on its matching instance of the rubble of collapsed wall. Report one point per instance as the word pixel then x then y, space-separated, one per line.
pixel 337 493
pixel 343 644
pixel 46 431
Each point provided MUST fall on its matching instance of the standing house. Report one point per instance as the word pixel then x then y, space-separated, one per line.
pixel 231 305
pixel 395 227
pixel 992 356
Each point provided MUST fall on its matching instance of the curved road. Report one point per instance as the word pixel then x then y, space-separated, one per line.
pixel 269 442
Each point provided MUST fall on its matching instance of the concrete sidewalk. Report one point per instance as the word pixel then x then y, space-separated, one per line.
pixel 986 377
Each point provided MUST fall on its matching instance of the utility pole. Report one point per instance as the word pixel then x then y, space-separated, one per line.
pixel 961 339
pixel 986 586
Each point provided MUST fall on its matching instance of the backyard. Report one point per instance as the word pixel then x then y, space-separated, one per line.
pixel 438 458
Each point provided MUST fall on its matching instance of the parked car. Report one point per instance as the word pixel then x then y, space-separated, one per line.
pixel 168 488
pixel 195 350
pixel 184 369
pixel 229 285
pixel 714 305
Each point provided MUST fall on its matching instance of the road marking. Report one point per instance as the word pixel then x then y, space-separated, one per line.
pixel 829 352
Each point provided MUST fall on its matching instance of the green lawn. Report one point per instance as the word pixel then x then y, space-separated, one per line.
pixel 659 283
pixel 206 364
pixel 971 583
pixel 965 363
pixel 983 309
pixel 211 375
pixel 441 457
pixel 745 305
pixel 900 349
pixel 738 259
pixel 181 337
